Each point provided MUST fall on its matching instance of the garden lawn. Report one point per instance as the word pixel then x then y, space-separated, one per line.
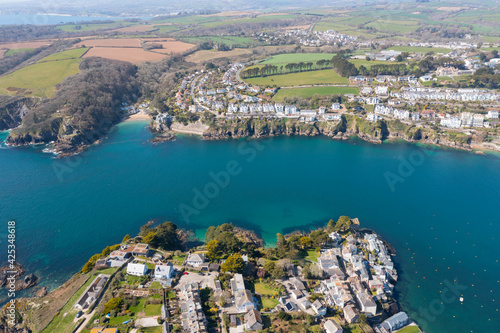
pixel 152 310
pixel 155 329
pixel 327 76
pixel 269 303
pixel 312 255
pixel 155 285
pixel 265 289
pixel 409 329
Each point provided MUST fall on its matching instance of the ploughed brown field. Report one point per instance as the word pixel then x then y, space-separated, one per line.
pixel 111 42
pixel 206 55
pixel 24 45
pixel 170 45
pixel 130 54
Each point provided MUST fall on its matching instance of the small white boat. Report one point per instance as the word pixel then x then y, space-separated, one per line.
pixel 461 299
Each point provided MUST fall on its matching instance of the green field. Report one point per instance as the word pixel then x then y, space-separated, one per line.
pixel 297 57
pixel 15 51
pixel 369 64
pixel 326 76
pixel 416 49
pixel 245 20
pixel 63 321
pixel 38 79
pixel 228 40
pixel 310 92
pixel 166 28
pixel 394 26
pixel 64 55
pixel 95 26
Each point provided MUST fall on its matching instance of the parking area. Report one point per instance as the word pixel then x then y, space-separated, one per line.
pixel 205 280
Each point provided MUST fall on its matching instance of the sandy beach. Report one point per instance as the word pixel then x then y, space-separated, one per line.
pixel 194 128
pixel 138 116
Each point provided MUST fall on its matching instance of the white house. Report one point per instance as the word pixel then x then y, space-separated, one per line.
pixel 137 269
pixel 492 115
pixel 373 117
pixel 368 306
pixel 372 100
pixel 396 322
pixel 163 272
pixel 335 237
pixel 237 283
pixel 244 301
pixel 331 326
pixel 336 106
pixel 195 259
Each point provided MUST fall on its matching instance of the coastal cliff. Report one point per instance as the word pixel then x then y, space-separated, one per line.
pixel 348 126
pixel 13 109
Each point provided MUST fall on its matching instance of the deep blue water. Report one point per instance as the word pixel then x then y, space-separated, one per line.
pixel 44 19
pixel 439 208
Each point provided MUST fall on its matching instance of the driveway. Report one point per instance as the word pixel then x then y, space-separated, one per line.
pixel 147 322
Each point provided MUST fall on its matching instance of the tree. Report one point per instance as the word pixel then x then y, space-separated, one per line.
pixel 282 315
pixel 234 263
pixel 343 224
pixel 305 242
pixel 330 226
pixel 149 238
pixel 113 304
pixel 126 238
pixel 213 250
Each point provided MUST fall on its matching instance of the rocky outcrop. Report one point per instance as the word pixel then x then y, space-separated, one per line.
pixel 5 328
pixel 14 277
pixel 13 109
pixel 42 134
pixel 26 282
pixel 41 292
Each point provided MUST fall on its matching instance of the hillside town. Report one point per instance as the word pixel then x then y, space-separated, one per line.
pixel 347 283
pixel 222 92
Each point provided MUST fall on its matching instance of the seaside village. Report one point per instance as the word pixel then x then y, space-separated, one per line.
pixel 345 285
pixel 411 99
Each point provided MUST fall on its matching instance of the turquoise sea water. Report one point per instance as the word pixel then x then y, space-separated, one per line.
pixel 441 213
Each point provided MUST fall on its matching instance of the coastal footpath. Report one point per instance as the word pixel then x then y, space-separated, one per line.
pixel 334 278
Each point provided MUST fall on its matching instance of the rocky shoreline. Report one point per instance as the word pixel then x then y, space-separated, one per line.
pixel 259 128
pixel 344 129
